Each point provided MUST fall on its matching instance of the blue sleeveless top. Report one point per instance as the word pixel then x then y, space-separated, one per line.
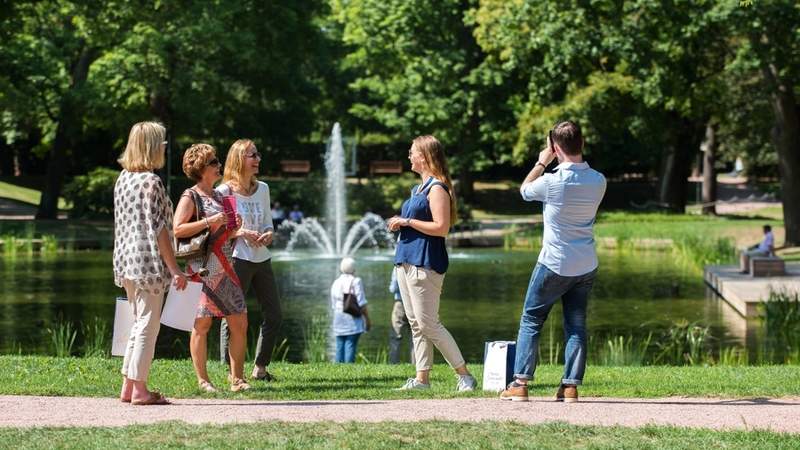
pixel 417 248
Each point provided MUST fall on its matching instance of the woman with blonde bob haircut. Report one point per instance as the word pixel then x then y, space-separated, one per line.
pixel 421 261
pixel 144 260
pixel 252 259
pixel 145 149
pixel 221 296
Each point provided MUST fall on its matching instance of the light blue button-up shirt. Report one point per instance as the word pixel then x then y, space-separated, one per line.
pixel 571 196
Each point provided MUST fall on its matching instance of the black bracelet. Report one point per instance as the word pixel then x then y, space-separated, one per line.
pixel 539 163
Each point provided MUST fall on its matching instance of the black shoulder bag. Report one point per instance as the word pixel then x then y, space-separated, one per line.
pixel 197 245
pixel 350 302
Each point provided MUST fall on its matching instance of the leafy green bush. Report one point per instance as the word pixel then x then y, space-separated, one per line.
pixel 92 195
pixel 309 193
pixel 382 195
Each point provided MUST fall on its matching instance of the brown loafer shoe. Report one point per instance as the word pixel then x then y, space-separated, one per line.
pixel 567 394
pixel 515 392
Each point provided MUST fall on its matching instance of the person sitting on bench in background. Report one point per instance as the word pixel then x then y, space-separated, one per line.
pixel 764 248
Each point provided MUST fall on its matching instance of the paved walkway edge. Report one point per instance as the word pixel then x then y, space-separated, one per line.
pixel 778 414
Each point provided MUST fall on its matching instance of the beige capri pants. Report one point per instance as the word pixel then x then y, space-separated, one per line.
pixel 142 341
pixel 421 289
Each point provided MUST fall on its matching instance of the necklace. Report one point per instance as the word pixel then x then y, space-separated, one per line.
pixel 204 192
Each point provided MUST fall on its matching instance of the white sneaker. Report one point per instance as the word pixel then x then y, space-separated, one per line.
pixel 466 383
pixel 413 385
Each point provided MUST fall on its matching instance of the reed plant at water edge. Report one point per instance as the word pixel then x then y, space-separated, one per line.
pixel 62 338
pixel 316 339
pixel 381 357
pixel 95 338
pixel 782 325
pixel 625 351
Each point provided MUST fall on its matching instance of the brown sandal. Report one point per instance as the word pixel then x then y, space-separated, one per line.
pixel 238 384
pixel 154 398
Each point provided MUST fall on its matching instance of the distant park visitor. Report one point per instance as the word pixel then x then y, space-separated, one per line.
pixel 399 321
pixel 278 214
pixel 348 326
pixel 144 259
pixel 222 293
pixel 567 264
pixel 764 248
pixel 252 259
pixel 296 214
pixel 421 261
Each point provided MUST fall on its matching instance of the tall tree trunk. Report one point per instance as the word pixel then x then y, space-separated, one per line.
pixel 786 138
pixel 7 156
pixel 67 120
pixel 674 186
pixel 709 171
pixel 466 189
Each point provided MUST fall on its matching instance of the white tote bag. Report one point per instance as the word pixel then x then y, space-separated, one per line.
pixel 498 365
pixel 123 322
pixel 181 307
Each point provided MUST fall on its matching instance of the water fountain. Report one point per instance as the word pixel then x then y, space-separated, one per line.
pixel 333 238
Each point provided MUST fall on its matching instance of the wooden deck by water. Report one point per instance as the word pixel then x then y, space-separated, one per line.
pixel 743 292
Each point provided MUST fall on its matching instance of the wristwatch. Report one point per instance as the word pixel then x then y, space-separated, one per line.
pixel 407 222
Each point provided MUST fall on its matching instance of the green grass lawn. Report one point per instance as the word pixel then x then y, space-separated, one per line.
pixel 391 435
pixel 99 377
pixel 25 195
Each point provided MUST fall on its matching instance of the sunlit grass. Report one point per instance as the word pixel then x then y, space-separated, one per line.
pixel 99 377
pixel 26 195
pixel 391 435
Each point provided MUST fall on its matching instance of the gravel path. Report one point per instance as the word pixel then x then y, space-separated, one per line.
pixel 782 414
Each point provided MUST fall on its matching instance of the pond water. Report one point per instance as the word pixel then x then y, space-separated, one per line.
pixel 636 293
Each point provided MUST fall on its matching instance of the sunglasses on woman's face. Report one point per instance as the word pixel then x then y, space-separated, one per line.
pixel 253 155
pixel 213 162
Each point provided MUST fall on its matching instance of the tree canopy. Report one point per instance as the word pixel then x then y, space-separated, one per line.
pixel 648 80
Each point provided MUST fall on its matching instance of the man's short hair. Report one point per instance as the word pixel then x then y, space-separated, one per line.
pixel 767 228
pixel 567 135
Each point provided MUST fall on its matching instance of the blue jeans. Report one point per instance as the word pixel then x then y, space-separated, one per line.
pixel 346 348
pixel 544 289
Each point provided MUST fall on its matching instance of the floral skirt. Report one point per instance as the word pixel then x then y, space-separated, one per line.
pixel 222 292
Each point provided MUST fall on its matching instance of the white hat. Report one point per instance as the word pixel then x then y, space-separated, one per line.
pixel 348 265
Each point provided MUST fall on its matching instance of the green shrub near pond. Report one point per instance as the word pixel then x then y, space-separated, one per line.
pixel 92 195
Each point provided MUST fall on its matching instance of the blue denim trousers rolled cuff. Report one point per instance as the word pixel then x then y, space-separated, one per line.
pixel 346 347
pixel 544 289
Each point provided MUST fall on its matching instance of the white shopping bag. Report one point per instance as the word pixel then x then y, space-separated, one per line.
pixel 123 321
pixel 498 365
pixel 181 307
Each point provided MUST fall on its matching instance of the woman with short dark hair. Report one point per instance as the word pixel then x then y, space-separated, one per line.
pixel 222 293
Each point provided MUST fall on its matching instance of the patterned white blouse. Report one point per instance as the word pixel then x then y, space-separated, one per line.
pixel 141 210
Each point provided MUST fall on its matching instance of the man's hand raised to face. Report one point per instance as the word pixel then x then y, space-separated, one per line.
pixel 547 154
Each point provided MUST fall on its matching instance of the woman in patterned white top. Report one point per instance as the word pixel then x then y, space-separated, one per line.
pixel 144 260
pixel 222 293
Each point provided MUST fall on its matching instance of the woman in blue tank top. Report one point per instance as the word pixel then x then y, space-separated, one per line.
pixel 421 261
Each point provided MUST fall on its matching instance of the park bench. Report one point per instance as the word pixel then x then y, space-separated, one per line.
pixel 385 167
pixel 766 266
pixel 295 166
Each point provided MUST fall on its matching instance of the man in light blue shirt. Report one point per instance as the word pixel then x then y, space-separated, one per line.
pixel 567 264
